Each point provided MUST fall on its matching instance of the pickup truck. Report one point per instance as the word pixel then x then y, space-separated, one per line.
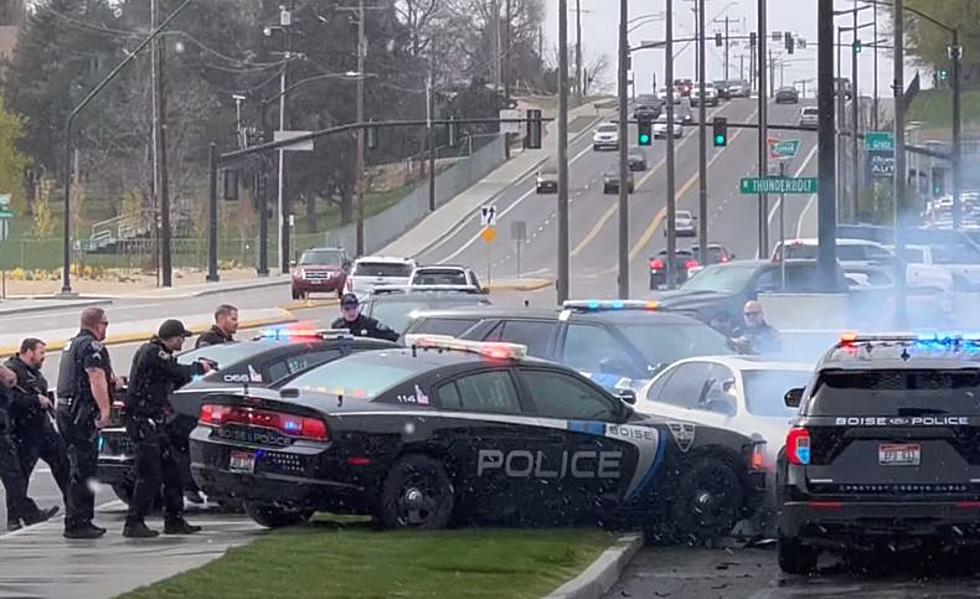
pixel 961 267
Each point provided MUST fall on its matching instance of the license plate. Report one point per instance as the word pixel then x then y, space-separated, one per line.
pixel 899 454
pixel 241 461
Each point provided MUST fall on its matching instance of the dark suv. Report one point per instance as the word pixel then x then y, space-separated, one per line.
pixel 884 452
pixel 619 344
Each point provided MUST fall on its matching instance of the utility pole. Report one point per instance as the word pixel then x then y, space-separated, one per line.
pixel 507 74
pixel 166 263
pixel 839 144
pixel 155 139
pixel 578 51
pixel 671 182
pixel 285 19
pixel 702 142
pixel 956 54
pixel 741 67
pixel 772 75
pixel 359 159
pixel 855 185
pixel 901 316
pixel 763 215
pixel 874 13
pixel 624 226
pixel 495 43
pixel 429 109
pixel 562 283
pixel 727 59
pixel 826 206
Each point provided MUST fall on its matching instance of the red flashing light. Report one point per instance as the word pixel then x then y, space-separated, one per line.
pixel 657 264
pixel 299 427
pixel 798 446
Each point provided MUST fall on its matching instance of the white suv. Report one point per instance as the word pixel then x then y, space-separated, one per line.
pixel 378 271
pixel 606 136
pixel 710 94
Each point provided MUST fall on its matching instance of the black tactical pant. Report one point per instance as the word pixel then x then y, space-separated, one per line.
pixel 155 463
pixel 42 442
pixel 180 445
pixel 19 504
pixel 81 443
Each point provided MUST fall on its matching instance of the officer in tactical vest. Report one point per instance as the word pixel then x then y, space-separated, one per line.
pixel 149 416
pixel 85 381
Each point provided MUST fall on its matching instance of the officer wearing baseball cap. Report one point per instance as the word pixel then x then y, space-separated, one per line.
pixel 358 324
pixel 154 376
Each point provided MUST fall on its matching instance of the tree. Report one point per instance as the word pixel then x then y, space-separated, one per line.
pixel 929 42
pixel 594 73
pixel 13 164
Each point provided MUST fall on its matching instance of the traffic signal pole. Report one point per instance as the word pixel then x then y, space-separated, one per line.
pixel 826 142
pixel 702 144
pixel 562 284
pixel 624 225
pixel 956 53
pixel 762 35
pixel 671 181
pixel 901 176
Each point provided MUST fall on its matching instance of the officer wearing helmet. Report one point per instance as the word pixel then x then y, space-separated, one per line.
pixel 358 324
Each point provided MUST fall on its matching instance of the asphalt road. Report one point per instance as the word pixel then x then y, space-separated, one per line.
pixel 742 573
pixel 593 215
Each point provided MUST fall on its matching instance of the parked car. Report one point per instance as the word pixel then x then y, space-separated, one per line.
pixel 378 271
pixel 547 181
pixel 320 270
pixel 396 307
pixel 610 182
pixel 809 117
pixel 787 95
pixel 446 277
pixel 606 137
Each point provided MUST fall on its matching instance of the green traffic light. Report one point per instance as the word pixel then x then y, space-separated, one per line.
pixel 644 139
pixel 720 140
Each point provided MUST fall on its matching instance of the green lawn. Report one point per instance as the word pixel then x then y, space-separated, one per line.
pixel 934 108
pixel 337 559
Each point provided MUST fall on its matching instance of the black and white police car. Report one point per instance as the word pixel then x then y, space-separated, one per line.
pixel 271 355
pixel 444 431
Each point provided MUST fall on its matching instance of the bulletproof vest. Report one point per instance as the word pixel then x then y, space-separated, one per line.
pixel 71 375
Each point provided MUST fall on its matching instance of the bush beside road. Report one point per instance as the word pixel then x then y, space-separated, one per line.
pixel 332 559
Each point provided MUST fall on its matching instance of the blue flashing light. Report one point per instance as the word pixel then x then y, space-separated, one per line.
pixel 803 454
pixel 293 425
pixel 597 305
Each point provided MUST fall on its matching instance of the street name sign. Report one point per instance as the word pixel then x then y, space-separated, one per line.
pixel 800 185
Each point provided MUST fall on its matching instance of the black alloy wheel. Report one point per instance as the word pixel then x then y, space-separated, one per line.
pixel 417 493
pixel 709 499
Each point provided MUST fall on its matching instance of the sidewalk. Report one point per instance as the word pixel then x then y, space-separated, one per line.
pixel 455 213
pixel 142 330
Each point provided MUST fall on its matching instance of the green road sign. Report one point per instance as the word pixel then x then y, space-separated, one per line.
pixel 6 214
pixel 786 148
pixel 879 141
pixel 757 185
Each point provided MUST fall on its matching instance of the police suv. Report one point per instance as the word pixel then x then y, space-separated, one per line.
pixel 272 355
pixel 885 452
pixel 444 431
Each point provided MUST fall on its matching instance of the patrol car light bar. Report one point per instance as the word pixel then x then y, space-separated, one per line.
pixel 600 305
pixel 299 333
pixel 936 338
pixel 498 351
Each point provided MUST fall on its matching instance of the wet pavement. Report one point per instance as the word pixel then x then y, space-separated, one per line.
pixel 737 572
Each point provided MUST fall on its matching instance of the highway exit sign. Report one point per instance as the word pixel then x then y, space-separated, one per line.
pixel 879 141
pixel 799 185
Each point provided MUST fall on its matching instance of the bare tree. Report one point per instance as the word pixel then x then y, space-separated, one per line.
pixel 594 71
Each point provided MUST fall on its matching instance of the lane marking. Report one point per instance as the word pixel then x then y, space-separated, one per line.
pixel 504 213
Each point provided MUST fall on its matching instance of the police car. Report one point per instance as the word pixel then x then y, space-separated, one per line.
pixel 444 431
pixel 621 344
pixel 272 355
pixel 884 453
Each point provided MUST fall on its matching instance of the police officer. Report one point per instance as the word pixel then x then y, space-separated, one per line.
pixel 154 376
pixel 757 336
pixel 31 411
pixel 358 324
pixel 20 507
pixel 224 328
pixel 85 380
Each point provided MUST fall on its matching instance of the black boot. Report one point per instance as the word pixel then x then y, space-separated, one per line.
pixel 179 526
pixel 137 529
pixel 40 516
pixel 13 524
pixel 86 531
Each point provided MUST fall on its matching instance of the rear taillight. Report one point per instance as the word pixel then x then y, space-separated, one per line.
pixel 299 427
pixel 725 259
pixel 798 446
pixel 656 265
pixel 758 461
pixel 691 264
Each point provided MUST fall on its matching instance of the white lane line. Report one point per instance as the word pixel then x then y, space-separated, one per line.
pixel 504 213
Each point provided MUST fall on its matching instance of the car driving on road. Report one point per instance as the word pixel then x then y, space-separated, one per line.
pixel 445 430
pixel 547 180
pixel 378 271
pixel 660 127
pixel 637 160
pixel 606 137
pixel 685 224
pixel 787 95
pixel 684 262
pixel 610 181
pixel 883 453
pixel 710 95
pixel 446 277
pixel 809 117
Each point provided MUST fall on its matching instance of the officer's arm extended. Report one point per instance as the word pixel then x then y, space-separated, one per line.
pixel 180 373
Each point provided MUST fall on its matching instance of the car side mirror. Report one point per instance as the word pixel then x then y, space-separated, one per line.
pixel 793 397
pixel 627 396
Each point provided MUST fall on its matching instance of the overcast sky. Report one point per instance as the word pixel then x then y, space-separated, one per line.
pixel 600 20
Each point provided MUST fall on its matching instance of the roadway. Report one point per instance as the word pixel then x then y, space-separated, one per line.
pixel 593 215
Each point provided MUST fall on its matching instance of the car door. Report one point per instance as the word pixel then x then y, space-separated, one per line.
pixel 676 392
pixel 604 457
pixel 501 453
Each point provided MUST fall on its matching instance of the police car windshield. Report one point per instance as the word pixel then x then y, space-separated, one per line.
pixel 765 391
pixel 225 354
pixel 662 344
pixel 906 393
pixel 723 278
pixel 398 314
pixel 364 375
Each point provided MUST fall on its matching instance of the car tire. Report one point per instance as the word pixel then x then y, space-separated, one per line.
pixel 273 516
pixel 416 493
pixel 796 558
pixel 708 502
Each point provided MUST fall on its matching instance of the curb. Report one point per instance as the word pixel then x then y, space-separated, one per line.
pixel 76 303
pixel 76 300
pixel 603 573
pixel 310 304
pixel 59 345
pixel 528 285
pixel 454 229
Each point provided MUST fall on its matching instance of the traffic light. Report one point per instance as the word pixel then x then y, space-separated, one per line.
pixel 533 137
pixel 938 181
pixel 790 42
pixel 857 46
pixel 644 132
pixel 753 39
pixel 943 74
pixel 721 131
pixel 453 133
pixel 718 40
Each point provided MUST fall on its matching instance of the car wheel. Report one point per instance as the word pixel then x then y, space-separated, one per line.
pixel 274 516
pixel 417 493
pixel 708 502
pixel 796 558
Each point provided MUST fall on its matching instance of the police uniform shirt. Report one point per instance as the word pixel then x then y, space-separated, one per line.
pixel 213 336
pixel 365 326
pixel 24 406
pixel 87 353
pixel 154 375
